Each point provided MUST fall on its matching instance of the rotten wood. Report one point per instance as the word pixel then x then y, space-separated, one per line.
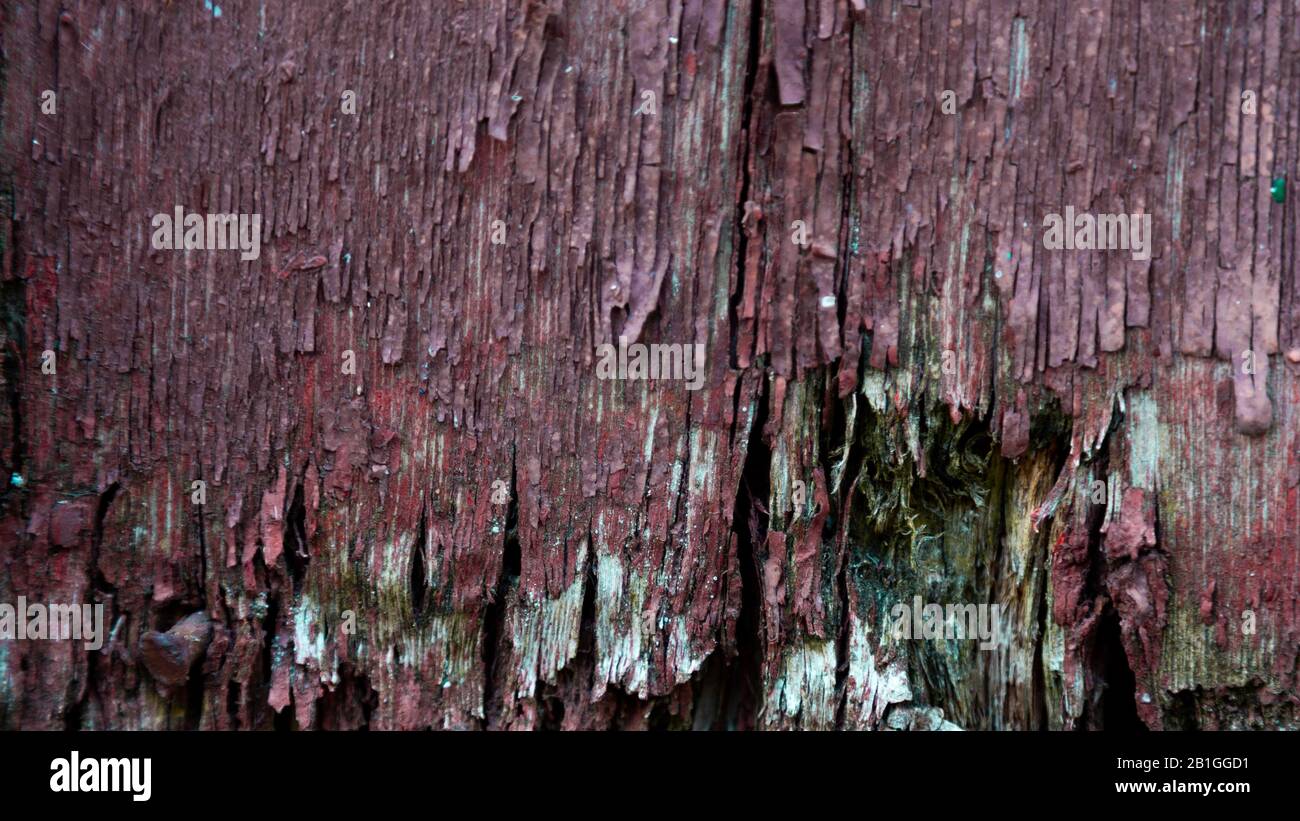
pixel 470 529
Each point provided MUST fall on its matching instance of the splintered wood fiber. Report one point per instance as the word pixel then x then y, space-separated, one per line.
pixel 662 363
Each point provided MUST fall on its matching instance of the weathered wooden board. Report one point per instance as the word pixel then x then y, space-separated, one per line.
pixel 906 393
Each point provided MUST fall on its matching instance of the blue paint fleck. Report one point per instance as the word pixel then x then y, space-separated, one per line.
pixel 16 480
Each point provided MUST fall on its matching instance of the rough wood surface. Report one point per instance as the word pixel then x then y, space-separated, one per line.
pixel 919 400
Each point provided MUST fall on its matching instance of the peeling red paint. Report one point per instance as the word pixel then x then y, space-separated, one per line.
pixel 615 554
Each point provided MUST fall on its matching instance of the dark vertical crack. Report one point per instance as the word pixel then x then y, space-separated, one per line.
pixel 13 302
pixel 739 678
pixel 98 580
pixel 836 519
pixel 203 543
pixel 102 592
pixel 282 720
pixel 842 582
pixel 1116 700
pixel 73 716
pixel 1111 700
pixel 418 581
pixel 296 555
pixel 494 614
pixel 232 703
pixel 1038 675
pixel 746 166
pixel 743 693
pixel 1111 704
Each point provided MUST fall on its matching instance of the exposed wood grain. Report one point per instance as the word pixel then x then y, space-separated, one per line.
pixel 918 400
